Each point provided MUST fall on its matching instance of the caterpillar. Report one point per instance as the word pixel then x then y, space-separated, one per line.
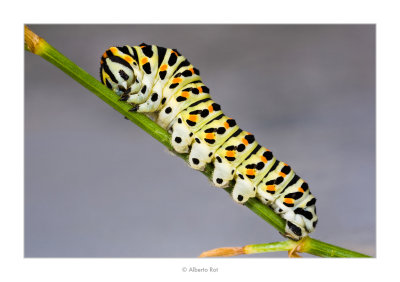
pixel 163 84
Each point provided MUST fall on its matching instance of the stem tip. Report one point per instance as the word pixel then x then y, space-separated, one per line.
pixel 223 252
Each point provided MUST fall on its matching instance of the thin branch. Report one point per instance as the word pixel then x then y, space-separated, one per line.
pixel 39 46
pixel 306 245
pixel 287 245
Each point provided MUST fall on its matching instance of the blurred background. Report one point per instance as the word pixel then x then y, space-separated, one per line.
pixel 98 186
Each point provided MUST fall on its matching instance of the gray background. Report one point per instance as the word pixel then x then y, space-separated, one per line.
pixel 98 186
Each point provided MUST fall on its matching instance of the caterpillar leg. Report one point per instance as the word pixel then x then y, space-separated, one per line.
pixel 181 137
pixel 251 172
pixel 243 190
pixel 151 105
pixel 223 172
pixel 141 95
pixel 200 155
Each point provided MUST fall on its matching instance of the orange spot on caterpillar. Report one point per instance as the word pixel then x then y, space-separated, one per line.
pixel 282 174
pixel 193 118
pixel 128 59
pixel 210 108
pixel 163 67
pixel 177 80
pixel 173 52
pixel 200 89
pixel 250 172
pixel 270 188
pixel 244 140
pixel 230 154
pixel 301 190
pixel 288 200
pixel 144 60
pixel 185 94
pixel 114 50
pixel 226 125
pixel 210 136
pixel 192 70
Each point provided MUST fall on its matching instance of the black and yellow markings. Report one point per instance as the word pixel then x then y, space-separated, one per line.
pixel 308 215
pixel 173 58
pixel 285 170
pixel 107 70
pixel 210 135
pixel 163 71
pixel 311 202
pixel 175 81
pixel 127 56
pixel 218 129
pixel 229 123
pixel 123 74
pixel 183 97
pixel 294 228
pixel 207 122
pixel 192 120
pixel 204 110
pixel 303 188
pixel 251 171
pixel 270 187
pixel 161 51
pixel 230 153
pixel 267 156
pixel 147 50
pixel 290 198
pixel 146 65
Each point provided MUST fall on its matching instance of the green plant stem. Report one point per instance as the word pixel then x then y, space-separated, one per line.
pixel 39 46
pixel 322 249
pixel 307 245
pixel 270 247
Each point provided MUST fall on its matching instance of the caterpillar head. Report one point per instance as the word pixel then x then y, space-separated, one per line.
pixel 119 71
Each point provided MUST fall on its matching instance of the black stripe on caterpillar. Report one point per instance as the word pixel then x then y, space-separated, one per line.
pixel 161 82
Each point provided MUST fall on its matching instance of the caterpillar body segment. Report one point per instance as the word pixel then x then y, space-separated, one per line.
pixel 250 172
pixel 183 99
pixel 274 182
pixel 190 121
pixel 209 138
pixel 163 84
pixel 230 155
pixel 148 62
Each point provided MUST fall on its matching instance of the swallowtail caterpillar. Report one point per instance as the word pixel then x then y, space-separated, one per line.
pixel 162 83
